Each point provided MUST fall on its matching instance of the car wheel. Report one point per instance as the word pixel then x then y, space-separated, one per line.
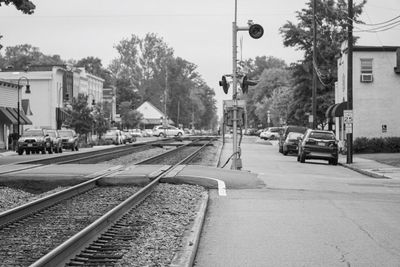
pixel 162 135
pixel 179 134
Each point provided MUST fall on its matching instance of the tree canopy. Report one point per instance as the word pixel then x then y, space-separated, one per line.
pixel 25 6
pixel 147 70
pixel 331 19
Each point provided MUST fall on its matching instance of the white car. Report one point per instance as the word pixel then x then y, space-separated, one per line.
pixel 271 133
pixel 115 136
pixel 163 131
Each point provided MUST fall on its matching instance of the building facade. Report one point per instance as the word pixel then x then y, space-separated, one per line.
pixel 9 101
pixel 52 88
pixel 376 90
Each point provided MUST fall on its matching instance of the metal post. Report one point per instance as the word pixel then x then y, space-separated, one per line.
pixel 314 65
pixel 18 101
pixel 18 111
pixel 349 136
pixel 234 90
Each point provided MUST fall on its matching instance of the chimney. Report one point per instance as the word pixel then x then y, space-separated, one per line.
pixel 397 68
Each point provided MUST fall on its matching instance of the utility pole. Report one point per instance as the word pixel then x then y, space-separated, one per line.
pixel 235 158
pixel 314 66
pixel 349 132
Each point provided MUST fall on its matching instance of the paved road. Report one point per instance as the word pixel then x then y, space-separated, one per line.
pixel 311 214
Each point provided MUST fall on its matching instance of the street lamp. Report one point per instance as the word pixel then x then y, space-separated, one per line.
pixel 27 91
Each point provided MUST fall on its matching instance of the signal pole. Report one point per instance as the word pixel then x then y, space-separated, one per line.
pixel 255 31
pixel 314 65
pixel 349 134
pixel 235 159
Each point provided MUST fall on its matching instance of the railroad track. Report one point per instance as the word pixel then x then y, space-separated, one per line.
pixel 91 245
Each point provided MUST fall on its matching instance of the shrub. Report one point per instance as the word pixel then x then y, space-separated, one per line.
pixel 376 145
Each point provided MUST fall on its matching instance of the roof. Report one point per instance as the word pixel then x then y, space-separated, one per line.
pixel 373 49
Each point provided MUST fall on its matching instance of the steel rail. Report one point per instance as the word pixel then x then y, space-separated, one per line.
pixel 67 251
pixel 27 209
pixel 167 153
pixel 64 159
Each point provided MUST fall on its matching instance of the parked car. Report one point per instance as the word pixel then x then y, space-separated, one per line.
pixel 286 130
pixel 318 144
pixel 163 131
pixel 35 141
pixel 136 132
pixel 291 144
pixel 56 142
pixel 147 132
pixel 129 138
pixel 69 139
pixel 115 136
pixel 271 133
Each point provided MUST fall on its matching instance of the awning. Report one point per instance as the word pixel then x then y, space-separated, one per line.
pixel 61 114
pixel 7 117
pixel 329 111
pixel 336 110
pixel 23 119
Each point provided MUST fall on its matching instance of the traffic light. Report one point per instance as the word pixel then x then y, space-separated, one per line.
pixel 245 83
pixel 224 84
pixel 256 31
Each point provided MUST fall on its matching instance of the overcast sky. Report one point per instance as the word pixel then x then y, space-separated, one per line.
pixel 199 31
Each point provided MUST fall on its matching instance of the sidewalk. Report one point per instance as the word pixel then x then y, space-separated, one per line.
pixel 370 167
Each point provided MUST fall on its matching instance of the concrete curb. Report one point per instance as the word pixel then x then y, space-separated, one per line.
pixel 186 255
pixel 365 172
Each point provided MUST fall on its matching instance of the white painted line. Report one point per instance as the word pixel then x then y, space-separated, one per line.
pixel 221 184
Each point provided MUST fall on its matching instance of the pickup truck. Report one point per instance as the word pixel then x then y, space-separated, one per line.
pixel 35 141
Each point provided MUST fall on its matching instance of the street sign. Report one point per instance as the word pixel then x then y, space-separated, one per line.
pixel 349 128
pixel 348 116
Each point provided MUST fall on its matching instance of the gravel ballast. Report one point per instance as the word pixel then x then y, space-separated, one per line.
pixel 159 223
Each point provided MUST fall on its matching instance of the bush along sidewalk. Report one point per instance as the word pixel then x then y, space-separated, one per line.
pixel 376 145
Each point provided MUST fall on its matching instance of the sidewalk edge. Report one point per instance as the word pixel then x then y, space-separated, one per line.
pixel 185 257
pixel 365 172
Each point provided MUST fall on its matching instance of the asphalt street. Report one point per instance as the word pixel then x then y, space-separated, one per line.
pixel 310 214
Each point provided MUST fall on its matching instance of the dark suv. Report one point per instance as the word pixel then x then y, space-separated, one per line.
pixel 35 141
pixel 288 129
pixel 318 144
pixel 69 139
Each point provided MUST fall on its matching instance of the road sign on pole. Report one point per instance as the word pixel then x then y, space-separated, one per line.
pixel 348 116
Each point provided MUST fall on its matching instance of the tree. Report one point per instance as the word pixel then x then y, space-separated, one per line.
pixel 130 118
pixel 22 56
pixel 101 124
pixel 146 70
pixel 331 19
pixel 272 74
pixel 80 117
pixel 92 65
pixel 25 6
